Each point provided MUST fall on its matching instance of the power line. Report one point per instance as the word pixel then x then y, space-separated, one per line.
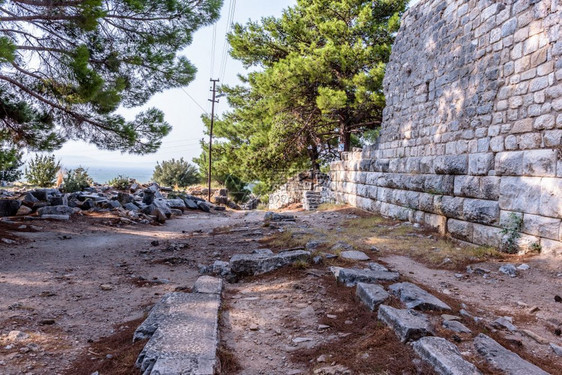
pixel 224 57
pixel 195 101
pixel 213 49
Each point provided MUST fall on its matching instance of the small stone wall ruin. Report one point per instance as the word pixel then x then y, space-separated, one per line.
pixel 472 130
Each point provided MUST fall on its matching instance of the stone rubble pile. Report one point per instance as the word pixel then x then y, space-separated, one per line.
pixel 137 204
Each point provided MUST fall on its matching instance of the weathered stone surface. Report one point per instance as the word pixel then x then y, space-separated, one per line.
pixel 415 297
pixel 208 285
pixel 354 255
pixel 503 359
pixel 56 210
pixel 481 211
pixel 372 295
pixel 183 331
pixel 351 276
pixel 456 326
pixel 256 264
pixel 9 207
pixel 407 324
pixel 273 216
pixel 443 356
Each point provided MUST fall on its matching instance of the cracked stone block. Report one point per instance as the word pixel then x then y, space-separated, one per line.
pixel 416 298
pixel 444 356
pixel 351 276
pixel 208 285
pixel 371 295
pixel 256 264
pixel 408 324
pixel 503 359
pixel 183 331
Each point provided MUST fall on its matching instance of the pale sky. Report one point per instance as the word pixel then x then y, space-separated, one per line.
pixel 180 111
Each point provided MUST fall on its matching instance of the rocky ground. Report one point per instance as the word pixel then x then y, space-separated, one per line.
pixel 72 293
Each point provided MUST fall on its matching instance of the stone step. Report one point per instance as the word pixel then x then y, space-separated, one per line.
pixel 351 276
pixel 503 359
pixel 408 325
pixel 415 297
pixel 371 295
pixel 183 332
pixel 444 356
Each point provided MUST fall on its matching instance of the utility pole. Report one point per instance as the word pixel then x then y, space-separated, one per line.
pixel 214 100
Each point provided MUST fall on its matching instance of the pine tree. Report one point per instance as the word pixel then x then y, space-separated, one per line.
pixel 66 66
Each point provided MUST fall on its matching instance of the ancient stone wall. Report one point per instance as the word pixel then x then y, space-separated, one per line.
pixel 294 189
pixel 473 124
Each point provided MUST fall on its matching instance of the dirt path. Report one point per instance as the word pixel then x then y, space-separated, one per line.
pixel 70 283
pixel 70 289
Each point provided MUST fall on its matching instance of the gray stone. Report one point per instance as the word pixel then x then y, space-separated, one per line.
pixel 481 211
pixel 9 207
pixel 451 164
pixel 56 217
pixel 503 359
pixel 183 331
pixel 191 204
pixel 204 206
pixel 508 269
pixel 56 210
pixel 504 322
pixel 131 207
pixel 340 246
pixel 208 285
pixel 408 325
pixel 354 255
pixel 176 203
pixel 443 356
pixel 256 264
pixel 415 297
pixel 273 216
pixel 376 266
pixel 371 295
pixel 456 326
pixel 556 349
pixel 351 276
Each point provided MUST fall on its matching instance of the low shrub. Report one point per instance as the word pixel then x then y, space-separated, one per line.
pixel 42 170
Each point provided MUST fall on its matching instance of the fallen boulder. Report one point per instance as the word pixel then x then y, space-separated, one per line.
pixel 56 210
pixel 9 207
pixel 273 216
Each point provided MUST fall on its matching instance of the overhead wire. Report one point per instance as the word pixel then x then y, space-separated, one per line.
pixel 229 22
pixel 195 101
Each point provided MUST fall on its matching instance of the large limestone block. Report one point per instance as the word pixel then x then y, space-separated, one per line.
pixel 541 226
pixel 407 324
pixel 523 194
pixel 451 164
pixel 509 163
pixel 461 230
pixel 551 197
pixel 541 163
pixel 481 211
pixel 480 164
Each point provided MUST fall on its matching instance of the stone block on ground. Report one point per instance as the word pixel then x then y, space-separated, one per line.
pixel 444 356
pixel 208 285
pixel 351 276
pixel 503 359
pixel 256 264
pixel 371 295
pixel 456 326
pixel 354 255
pixel 183 331
pixel 377 267
pixel 273 216
pixel 9 207
pixel 56 210
pixel 415 297
pixel 407 324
